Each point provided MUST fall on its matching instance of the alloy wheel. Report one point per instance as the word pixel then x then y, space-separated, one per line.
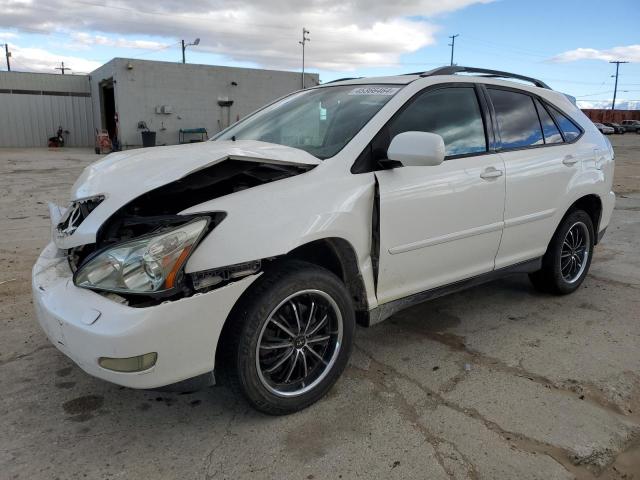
pixel 575 252
pixel 299 343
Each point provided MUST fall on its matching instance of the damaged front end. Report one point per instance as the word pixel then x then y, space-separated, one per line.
pixel 140 249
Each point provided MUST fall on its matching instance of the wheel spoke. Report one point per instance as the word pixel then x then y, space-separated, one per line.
pixel 283 328
pixel 311 313
pixel 275 345
pixel 295 312
pixel 315 354
pixel 304 363
pixel 318 326
pixel 292 367
pixel 320 339
pixel 279 363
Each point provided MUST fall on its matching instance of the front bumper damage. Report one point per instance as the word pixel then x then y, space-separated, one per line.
pixel 86 326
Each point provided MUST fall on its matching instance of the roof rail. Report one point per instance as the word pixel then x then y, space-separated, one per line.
pixel 452 70
pixel 341 80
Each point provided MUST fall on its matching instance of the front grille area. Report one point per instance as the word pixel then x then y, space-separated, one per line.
pixel 77 212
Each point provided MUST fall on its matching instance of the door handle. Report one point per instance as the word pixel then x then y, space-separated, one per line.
pixel 569 160
pixel 490 173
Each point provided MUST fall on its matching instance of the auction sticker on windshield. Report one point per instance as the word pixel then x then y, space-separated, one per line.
pixel 374 91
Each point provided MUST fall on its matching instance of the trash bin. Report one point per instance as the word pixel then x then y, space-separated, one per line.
pixel 148 139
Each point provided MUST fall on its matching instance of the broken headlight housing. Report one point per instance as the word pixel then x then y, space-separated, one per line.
pixel 147 265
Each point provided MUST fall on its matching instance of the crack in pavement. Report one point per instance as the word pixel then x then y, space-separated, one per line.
pixel 409 412
pixel 21 356
pixel 517 440
pixel 227 431
pixel 457 343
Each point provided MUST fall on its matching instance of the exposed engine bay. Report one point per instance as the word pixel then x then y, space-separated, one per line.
pixel 158 209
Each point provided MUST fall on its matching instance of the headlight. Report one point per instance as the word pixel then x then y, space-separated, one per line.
pixel 145 265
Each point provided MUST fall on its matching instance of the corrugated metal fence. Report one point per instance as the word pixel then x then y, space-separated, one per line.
pixel 33 106
pixel 615 116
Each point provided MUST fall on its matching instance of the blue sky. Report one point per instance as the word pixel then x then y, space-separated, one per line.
pixel 567 44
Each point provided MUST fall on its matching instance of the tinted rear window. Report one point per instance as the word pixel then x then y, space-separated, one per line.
pixel 569 129
pixel 517 119
pixel 551 132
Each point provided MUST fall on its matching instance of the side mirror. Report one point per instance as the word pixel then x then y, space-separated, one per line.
pixel 417 149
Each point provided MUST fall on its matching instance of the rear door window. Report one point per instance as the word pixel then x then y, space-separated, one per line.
pixel 569 129
pixel 518 121
pixel 549 128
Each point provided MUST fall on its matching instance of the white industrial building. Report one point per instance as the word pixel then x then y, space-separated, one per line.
pixel 126 96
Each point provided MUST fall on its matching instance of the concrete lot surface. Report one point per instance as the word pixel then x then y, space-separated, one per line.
pixel 497 382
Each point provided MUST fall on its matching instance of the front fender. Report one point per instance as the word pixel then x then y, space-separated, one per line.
pixel 273 219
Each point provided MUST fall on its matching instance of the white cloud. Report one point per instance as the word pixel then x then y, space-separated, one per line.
pixel 606 104
pixel 40 60
pixel 83 39
pixel 629 53
pixel 5 37
pixel 345 34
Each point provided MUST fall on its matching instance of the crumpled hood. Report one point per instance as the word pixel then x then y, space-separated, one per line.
pixel 127 175
pixel 124 176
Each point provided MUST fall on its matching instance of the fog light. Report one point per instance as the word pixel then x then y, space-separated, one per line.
pixel 131 364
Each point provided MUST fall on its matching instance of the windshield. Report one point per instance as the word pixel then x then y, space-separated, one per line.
pixel 319 121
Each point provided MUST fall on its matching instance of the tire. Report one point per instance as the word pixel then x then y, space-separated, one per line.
pixel 257 342
pixel 564 267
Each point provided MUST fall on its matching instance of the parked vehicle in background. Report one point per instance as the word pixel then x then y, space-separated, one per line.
pixel 631 125
pixel 255 253
pixel 617 128
pixel 604 129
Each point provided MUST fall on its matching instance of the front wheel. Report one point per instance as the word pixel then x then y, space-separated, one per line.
pixel 568 256
pixel 293 337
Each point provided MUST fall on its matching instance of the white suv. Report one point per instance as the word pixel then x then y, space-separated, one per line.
pixel 254 254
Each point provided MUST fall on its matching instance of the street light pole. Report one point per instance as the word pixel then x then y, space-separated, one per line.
pixel 185 45
pixel 305 39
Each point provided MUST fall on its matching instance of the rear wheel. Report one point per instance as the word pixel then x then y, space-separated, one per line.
pixel 293 337
pixel 568 257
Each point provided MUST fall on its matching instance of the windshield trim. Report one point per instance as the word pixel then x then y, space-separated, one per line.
pixel 356 85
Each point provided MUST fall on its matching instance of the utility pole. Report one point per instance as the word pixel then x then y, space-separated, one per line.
pixel 305 39
pixel 615 89
pixel 7 54
pixel 185 45
pixel 453 45
pixel 62 68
